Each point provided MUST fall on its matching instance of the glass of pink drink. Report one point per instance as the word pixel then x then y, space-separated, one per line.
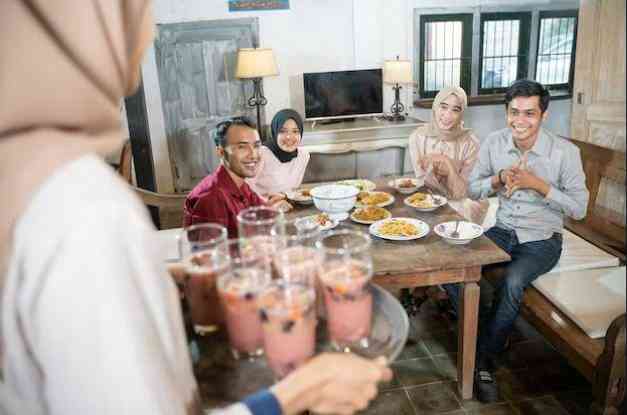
pixel 238 292
pixel 345 276
pixel 202 270
pixel 287 312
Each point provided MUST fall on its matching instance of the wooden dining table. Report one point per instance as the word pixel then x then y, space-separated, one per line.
pixel 430 261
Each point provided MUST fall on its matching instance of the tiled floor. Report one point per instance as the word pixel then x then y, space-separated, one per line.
pixel 534 378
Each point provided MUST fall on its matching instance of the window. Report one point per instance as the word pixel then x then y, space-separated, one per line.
pixel 556 48
pixel 485 49
pixel 446 52
pixel 504 50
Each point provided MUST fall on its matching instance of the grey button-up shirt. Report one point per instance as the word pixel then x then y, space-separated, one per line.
pixel 532 216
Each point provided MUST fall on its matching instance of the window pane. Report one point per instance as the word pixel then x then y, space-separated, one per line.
pixel 500 53
pixel 555 49
pixel 443 55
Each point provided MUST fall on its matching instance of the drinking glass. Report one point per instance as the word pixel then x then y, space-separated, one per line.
pixel 239 290
pixel 300 232
pixel 203 248
pixel 345 275
pixel 289 322
pixel 262 228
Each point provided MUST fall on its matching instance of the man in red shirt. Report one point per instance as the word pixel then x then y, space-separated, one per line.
pixel 220 196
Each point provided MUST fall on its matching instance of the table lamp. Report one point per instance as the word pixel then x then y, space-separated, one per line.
pixel 255 64
pixel 397 72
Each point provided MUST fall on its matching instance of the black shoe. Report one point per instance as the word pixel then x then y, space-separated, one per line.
pixel 486 389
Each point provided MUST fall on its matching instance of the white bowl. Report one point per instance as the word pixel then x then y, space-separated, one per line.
pixel 467 232
pixel 335 199
pixel 417 183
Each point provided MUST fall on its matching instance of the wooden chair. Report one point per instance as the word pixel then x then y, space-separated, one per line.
pixel 169 206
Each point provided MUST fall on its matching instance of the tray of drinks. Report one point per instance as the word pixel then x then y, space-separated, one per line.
pixel 223 378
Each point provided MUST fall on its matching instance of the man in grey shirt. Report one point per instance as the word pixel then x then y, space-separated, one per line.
pixel 539 179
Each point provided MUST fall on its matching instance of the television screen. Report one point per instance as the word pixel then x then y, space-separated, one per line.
pixel 343 94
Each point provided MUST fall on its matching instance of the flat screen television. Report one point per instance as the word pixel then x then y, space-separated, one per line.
pixel 343 94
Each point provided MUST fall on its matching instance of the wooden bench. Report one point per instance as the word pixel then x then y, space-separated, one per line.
pixel 601 361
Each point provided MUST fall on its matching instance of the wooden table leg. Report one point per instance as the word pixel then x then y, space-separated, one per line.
pixel 467 338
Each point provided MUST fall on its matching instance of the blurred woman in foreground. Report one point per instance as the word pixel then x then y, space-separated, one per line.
pixel 91 322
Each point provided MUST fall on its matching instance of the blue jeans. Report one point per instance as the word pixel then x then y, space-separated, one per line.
pixel 529 261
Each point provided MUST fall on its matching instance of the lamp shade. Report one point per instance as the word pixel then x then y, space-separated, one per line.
pixel 397 72
pixel 255 63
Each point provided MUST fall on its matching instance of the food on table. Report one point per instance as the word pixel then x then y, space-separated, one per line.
pixel 406 183
pixel 323 219
pixel 238 294
pixel 398 227
pixel 348 301
pixel 421 200
pixel 305 193
pixel 289 321
pixel 374 198
pixel 371 214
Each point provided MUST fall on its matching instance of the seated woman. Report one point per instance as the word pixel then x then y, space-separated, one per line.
pixel 444 153
pixel 283 164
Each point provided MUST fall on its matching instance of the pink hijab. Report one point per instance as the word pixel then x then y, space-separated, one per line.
pixel 65 66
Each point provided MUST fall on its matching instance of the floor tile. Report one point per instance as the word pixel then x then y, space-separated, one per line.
pixel 413 350
pixel 447 365
pixel 394 383
pixel 498 409
pixel 417 372
pixel 392 402
pixel 441 342
pixel 436 398
pixel 576 402
pixel 520 385
pixel 542 406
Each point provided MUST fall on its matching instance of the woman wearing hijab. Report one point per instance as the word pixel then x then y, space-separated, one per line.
pixel 444 153
pixel 91 322
pixel 283 164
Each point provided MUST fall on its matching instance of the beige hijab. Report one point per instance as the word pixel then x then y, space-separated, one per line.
pixel 64 67
pixel 458 131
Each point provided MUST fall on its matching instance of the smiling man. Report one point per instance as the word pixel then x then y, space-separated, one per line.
pixel 219 197
pixel 539 179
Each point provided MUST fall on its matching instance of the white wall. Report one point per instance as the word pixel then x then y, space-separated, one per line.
pixel 327 35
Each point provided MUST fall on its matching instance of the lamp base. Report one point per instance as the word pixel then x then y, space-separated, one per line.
pixel 395 117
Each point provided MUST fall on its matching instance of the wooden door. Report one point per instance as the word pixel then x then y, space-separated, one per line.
pixel 598 114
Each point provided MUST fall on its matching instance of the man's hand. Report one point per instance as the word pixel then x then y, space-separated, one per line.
pixel 519 179
pixel 274 198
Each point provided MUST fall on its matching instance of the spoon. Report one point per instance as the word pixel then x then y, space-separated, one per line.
pixel 455 233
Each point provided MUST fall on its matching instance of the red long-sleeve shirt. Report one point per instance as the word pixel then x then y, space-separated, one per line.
pixel 217 199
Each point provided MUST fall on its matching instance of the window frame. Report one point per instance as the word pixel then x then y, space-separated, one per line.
pixel 524 41
pixel 465 76
pixel 568 86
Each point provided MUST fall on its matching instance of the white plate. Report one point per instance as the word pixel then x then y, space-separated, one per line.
pixel 297 197
pixel 382 204
pixel 441 201
pixel 467 231
pixel 423 229
pixel 368 222
pixel 362 184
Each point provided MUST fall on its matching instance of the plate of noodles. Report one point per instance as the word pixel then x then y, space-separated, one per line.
pixel 379 199
pixel 399 229
pixel 425 202
pixel 369 215
pixel 362 184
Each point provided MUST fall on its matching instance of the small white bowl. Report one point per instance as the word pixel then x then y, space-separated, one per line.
pixel 467 232
pixel 335 199
pixel 406 190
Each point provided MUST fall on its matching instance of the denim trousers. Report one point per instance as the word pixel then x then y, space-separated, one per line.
pixel 529 261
